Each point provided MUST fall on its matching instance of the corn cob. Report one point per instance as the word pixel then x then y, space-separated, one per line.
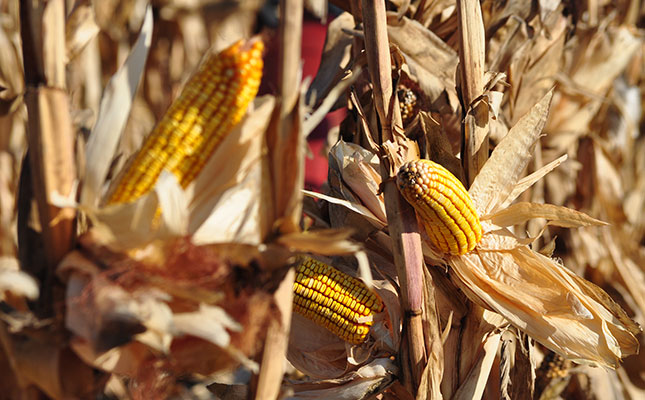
pixel 443 204
pixel 213 101
pixel 334 300
pixel 408 104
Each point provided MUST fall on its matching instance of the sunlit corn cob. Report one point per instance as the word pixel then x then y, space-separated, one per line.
pixel 335 300
pixel 213 101
pixel 443 204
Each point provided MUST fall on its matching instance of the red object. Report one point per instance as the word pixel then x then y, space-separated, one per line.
pixel 313 41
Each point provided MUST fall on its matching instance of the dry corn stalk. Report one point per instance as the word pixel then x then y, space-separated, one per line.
pixel 334 300
pixel 444 205
pixel 214 100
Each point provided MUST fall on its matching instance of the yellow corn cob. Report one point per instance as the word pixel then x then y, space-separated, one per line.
pixel 335 300
pixel 443 204
pixel 213 101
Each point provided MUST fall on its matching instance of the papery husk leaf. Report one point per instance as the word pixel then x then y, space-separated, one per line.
pixel 316 351
pixel 357 208
pixel 154 301
pixel 474 384
pixel 208 322
pixel 610 189
pixel 363 383
pixel 632 275
pixel 325 242
pixel 438 146
pixel 519 213
pixel 529 180
pixel 605 57
pixel 173 204
pixel 430 59
pixel 335 57
pixel 517 369
pixel 108 316
pixel 13 280
pixel 286 151
pixel 359 169
pixel 501 172
pixel 127 225
pixel 316 117
pixel 501 239
pixel 601 54
pixel 533 62
pixel 430 384
pixel 548 302
pixel 80 29
pixel 124 360
pixel 113 114
pixel 227 202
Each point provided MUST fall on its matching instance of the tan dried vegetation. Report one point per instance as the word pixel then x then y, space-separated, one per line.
pixel 516 270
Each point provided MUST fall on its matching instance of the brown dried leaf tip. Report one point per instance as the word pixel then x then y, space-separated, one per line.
pixel 443 205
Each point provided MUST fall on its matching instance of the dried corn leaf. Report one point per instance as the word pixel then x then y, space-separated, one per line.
pixel 334 59
pixel 359 169
pixel 80 29
pixel 474 384
pixel 363 383
pixel 432 61
pixel 13 280
pixel 519 213
pixel 231 191
pixel 113 113
pixel 546 300
pixel 499 175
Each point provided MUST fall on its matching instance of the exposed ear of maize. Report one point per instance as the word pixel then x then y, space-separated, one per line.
pixel 213 101
pixel 408 103
pixel 443 204
pixel 335 300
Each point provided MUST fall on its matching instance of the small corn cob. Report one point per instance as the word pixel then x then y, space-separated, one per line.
pixel 408 104
pixel 443 204
pixel 213 101
pixel 334 300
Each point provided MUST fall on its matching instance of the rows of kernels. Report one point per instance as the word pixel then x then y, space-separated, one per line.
pixel 334 300
pixel 445 208
pixel 355 334
pixel 212 103
pixel 343 286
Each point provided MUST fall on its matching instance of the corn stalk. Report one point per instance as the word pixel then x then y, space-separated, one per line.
pixel 471 70
pixel 401 218
pixel 51 167
pixel 284 133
